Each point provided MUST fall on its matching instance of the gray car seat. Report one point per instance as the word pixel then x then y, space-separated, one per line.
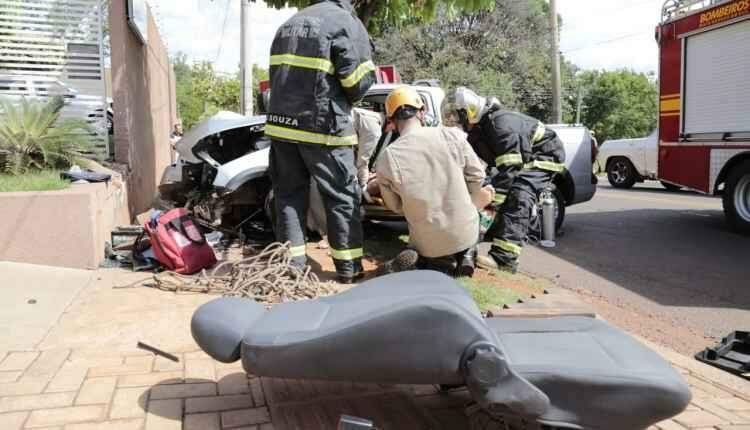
pixel 420 327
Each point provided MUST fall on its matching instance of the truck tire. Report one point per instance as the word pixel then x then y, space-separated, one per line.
pixel 621 173
pixel 736 198
pixel 670 187
pixel 559 208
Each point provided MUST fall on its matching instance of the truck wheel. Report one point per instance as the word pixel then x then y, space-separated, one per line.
pixel 621 173
pixel 736 198
pixel 670 187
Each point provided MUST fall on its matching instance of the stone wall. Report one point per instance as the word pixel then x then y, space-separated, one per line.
pixel 144 105
pixel 66 228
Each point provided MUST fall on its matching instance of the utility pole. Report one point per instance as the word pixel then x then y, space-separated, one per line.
pixel 246 64
pixel 556 97
pixel 578 105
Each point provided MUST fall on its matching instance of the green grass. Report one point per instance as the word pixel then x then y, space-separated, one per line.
pixel 487 294
pixel 46 180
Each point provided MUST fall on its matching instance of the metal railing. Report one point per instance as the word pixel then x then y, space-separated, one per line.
pixel 55 47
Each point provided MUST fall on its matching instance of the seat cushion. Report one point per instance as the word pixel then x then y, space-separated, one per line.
pixel 411 327
pixel 219 326
pixel 595 375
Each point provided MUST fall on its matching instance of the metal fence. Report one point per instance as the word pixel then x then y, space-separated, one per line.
pixel 55 47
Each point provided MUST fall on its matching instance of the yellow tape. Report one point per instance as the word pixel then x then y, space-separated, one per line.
pixel 322 64
pixel 670 105
pixel 358 74
pixel 309 137
pixel 298 251
pixel 507 246
pixel 545 165
pixel 347 254
pixel 508 160
pixel 539 133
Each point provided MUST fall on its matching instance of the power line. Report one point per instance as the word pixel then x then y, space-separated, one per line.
pixel 604 42
pixel 223 28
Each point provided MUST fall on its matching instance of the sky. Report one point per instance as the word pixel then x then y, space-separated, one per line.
pixel 596 34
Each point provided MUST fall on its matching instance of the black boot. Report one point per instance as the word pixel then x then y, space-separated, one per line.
pixel 349 272
pixel 466 262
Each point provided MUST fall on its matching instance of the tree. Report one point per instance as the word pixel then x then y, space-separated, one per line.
pixel 202 91
pixel 377 13
pixel 502 53
pixel 34 137
pixel 616 104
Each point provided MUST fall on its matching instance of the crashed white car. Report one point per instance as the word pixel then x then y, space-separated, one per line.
pixel 222 169
pixel 221 173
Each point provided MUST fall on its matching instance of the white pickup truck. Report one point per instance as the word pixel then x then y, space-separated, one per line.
pixel 628 161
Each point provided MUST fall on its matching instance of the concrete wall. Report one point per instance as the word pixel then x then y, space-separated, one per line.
pixel 65 228
pixel 144 105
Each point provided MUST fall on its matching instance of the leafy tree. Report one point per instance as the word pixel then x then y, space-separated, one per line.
pixel 615 104
pixel 201 91
pixel 503 52
pixel 32 136
pixel 377 13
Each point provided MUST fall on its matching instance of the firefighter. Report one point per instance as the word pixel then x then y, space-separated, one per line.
pixel 369 127
pixel 525 155
pixel 321 65
pixel 429 174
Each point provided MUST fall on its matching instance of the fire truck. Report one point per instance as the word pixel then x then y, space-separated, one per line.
pixel 704 106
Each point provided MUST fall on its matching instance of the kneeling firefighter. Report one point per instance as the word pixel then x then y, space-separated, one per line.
pixel 430 175
pixel 526 156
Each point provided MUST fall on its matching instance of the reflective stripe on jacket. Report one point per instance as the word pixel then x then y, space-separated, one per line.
pixel 321 65
pixel 512 141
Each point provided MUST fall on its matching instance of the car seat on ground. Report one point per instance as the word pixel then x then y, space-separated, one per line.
pixel 421 327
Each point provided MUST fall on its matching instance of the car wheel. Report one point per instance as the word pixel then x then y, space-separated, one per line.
pixel 559 208
pixel 736 198
pixel 621 173
pixel 670 187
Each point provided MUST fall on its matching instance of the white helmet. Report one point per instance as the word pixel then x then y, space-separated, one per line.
pixel 474 105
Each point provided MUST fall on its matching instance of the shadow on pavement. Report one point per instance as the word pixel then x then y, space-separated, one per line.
pixel 673 257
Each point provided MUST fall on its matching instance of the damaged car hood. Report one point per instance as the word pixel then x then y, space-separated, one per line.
pixel 217 123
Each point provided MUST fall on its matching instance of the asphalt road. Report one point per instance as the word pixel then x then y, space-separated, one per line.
pixel 662 263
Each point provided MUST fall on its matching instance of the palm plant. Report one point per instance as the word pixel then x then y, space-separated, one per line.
pixel 32 136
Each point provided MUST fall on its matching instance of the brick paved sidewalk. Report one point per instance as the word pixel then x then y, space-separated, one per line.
pixel 87 375
pixel 82 390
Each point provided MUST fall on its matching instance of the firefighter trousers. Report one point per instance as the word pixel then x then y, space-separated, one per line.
pixel 511 227
pixel 291 165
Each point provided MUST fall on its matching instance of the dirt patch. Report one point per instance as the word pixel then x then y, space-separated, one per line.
pixel 522 284
pixel 658 328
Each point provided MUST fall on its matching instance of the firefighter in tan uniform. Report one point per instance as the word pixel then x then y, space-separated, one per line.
pixel 429 175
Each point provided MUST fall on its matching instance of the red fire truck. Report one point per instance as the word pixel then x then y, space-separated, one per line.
pixel 704 115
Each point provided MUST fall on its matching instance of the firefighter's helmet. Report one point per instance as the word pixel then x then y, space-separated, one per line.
pixel 404 96
pixel 470 106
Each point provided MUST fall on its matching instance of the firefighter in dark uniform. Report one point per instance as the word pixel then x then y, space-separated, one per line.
pixel 321 64
pixel 525 154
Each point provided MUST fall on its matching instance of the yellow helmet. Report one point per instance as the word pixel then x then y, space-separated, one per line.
pixel 400 97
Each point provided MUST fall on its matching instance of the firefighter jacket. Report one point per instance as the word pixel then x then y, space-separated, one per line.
pixel 428 174
pixel 320 66
pixel 513 142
